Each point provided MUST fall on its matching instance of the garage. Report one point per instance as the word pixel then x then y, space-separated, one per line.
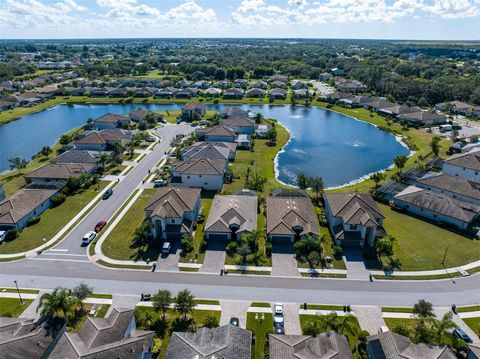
pixel 282 244
pixel 218 236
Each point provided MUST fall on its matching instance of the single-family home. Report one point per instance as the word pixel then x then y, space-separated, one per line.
pixel 216 134
pixel 222 84
pixel 390 345
pixel 354 219
pixel 78 156
pixel 278 85
pixel 459 107
pixel 111 120
pixel 277 94
pixel 255 93
pixel 115 336
pixel 331 345
pixel 202 173
pixel 235 112
pixel 173 212
pixel 7 104
pixel 227 341
pixel 424 118
pixel 233 93
pixel 193 111
pixel 188 92
pixel 207 150
pixel 240 83
pixel 59 172
pixel 290 217
pixel 202 84
pixel 29 338
pixel 98 92
pixel 259 85
pixel 278 77
pixel 102 140
pixel 120 92
pixel 437 207
pixel 398 110
pixel 167 92
pixel 141 114
pixel 303 94
pixel 241 125
pixel 378 104
pixel 212 92
pixel 454 187
pixel 231 216
pixel 143 92
pixel 17 209
pixel 464 165
pixel 298 84
pixel 184 84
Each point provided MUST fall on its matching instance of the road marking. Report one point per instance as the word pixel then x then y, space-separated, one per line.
pixel 64 254
pixel 57 250
pixel 59 260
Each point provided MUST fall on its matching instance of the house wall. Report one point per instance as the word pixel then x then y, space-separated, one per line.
pixel 22 223
pixel 461 172
pixel 208 182
pixel 211 138
pixel 104 125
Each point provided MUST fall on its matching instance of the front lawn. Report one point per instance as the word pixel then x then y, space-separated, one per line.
pixel 52 221
pixel 474 324
pixel 421 245
pixel 11 307
pixel 260 329
pixel 120 243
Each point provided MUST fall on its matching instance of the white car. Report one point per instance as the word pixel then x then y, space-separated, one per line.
pixel 278 313
pixel 88 237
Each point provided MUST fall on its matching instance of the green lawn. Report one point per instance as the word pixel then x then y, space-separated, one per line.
pixel 474 324
pixel 470 308
pixel 120 244
pixel 11 307
pixel 52 221
pixel 322 307
pixel 114 170
pixel 164 329
pixel 260 304
pixel 392 322
pixel 397 309
pixel 421 245
pixel 260 330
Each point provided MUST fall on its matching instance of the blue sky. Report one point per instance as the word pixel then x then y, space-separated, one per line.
pixel 377 19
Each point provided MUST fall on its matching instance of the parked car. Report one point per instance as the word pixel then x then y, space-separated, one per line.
pixel 88 237
pixel 108 193
pixel 459 333
pixel 278 314
pixel 99 226
pixel 151 139
pixel 3 236
pixel 235 321
pixel 166 247
pixel 279 328
pixel 159 183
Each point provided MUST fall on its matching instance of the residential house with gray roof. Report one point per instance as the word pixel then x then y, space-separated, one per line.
pixel 234 112
pixel 173 212
pixel 464 165
pixel 207 150
pixel 208 174
pixel 277 94
pixel 424 118
pixel 60 172
pixel 225 342
pixel 255 93
pixel 216 134
pixel 115 336
pixel 212 92
pixel 78 156
pixel 354 219
pixel 233 93
pixel 231 216
pixel 389 345
pixel 110 120
pixel 241 125
pixel 454 187
pixel 331 345
pixel 192 111
pixel 398 110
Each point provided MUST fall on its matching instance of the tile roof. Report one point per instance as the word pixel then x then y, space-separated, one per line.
pixel 284 213
pixel 173 202
pixel 240 211
pixel 199 166
pixel 354 208
pixel 469 160
pixel 453 184
pixel 61 170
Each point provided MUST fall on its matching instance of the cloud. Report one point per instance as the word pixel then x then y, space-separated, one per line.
pixel 454 9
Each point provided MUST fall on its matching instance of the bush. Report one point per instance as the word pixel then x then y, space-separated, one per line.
pixel 11 235
pixel 231 248
pixel 268 249
pixel 337 251
pixel 203 245
pixel 57 201
pixel 210 321
pixel 187 244
pixel 33 221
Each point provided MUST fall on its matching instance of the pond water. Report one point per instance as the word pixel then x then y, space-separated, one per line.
pixel 323 143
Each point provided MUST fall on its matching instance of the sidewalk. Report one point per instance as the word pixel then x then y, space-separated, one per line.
pixel 453 270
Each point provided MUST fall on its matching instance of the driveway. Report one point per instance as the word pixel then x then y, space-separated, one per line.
pixel 170 262
pixel 292 319
pixel 355 266
pixel 214 260
pixel 369 317
pixel 234 308
pixel 283 260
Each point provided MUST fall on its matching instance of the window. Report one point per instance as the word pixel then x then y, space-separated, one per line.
pixel 476 173
pixel 188 177
pixel 173 221
pixel 206 183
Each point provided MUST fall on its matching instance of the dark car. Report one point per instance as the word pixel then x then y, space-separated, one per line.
pixel 459 333
pixel 235 321
pixel 108 193
pixel 279 328
pixel 99 226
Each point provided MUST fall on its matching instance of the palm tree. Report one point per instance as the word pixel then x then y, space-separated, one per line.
pixel 346 324
pixel 244 250
pixel 60 303
pixel 327 322
pixel 184 303
pixel 162 301
pixel 441 326
pixel 316 183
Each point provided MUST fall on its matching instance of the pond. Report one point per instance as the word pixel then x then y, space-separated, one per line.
pixel 323 143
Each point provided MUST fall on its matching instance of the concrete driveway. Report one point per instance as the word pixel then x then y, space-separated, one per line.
pixel 234 308
pixel 170 262
pixel 214 260
pixel 283 260
pixel 292 319
pixel 355 266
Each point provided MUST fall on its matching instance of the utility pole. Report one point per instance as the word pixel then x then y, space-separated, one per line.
pixel 19 296
pixel 445 256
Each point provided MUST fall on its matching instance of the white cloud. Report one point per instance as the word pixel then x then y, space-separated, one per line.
pixel 453 9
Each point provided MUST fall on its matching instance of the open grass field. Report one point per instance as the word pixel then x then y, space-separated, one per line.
pixel 260 329
pixel 52 221
pixel 11 307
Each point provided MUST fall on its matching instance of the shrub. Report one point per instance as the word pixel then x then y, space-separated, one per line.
pixel 268 249
pixel 187 244
pixel 203 245
pixel 57 201
pixel 337 251
pixel 231 248
pixel 210 321
pixel 33 221
pixel 12 234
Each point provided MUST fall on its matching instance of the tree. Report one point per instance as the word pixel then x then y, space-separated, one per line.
pixel 144 319
pixel 377 177
pixel 187 244
pixel 255 182
pixel 141 232
pixel 162 300
pixel 272 136
pixel 46 150
pixel 423 309
pixel 400 161
pixel 423 332
pixel 435 145
pixel 17 163
pixel 258 118
pixel 65 139
pixel 442 326
pixel 82 291
pixel 302 180
pixel 244 250
pixel 59 304
pixel 210 321
pixel 184 303
pixel 384 246
pixel 327 322
pixel 347 324
pixel 316 184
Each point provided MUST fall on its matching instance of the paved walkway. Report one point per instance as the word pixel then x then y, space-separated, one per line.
pixel 356 269
pixel 292 319
pixel 213 262
pixel 369 317
pixel 234 308
pixel 31 311
pixel 284 264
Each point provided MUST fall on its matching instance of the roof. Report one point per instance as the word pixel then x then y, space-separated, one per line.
pixel 227 342
pixel 389 345
pixel 101 338
pixel 234 112
pixel 77 156
pixel 400 109
pixel 422 116
pixel 329 345
pixel 438 203
pixel 21 203
pixel 277 91
pixel 469 160
pixel 453 184
pixel 200 166
pixel 173 202
pixel 285 213
pixel 111 117
pixel 61 170
pixel 219 131
pixel 232 210
pixel 354 208
pixel 22 338
pixel 105 136
pixel 206 150
pixel 238 122
pixel 475 349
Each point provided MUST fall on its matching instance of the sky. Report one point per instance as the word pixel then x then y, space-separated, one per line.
pixel 358 19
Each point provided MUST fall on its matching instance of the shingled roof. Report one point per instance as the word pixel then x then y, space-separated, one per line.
pixel 238 122
pixel 354 208
pixel 469 160
pixel 173 202
pixel 285 213
pixel 62 171
pixel 111 117
pixel 226 342
pixel 199 166
pixel 452 184
pixel 206 150
pixel 78 156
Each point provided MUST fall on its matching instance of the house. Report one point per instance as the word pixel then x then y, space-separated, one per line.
pixel 101 140
pixel 454 187
pixel 259 85
pixel 231 216
pixel 207 150
pixel 255 93
pixel 228 341
pixel 212 92
pixel 202 173
pixel 184 84
pixel 167 92
pixel 398 110
pixel 464 165
pixel 193 111
pixel 111 120
pixel 437 207
pixel 202 84
pixel 28 99
pixel 187 93
pixel 78 156
pixel 59 172
pixel 354 219
pixel 389 345
pixel 216 134
pixel 278 77
pixel 23 205
pixel 473 351
pixel 233 93
pixel 298 84
pixel 376 105
pixel 231 149
pixel 98 92
pixel 235 112
pixel 28 338
pixel 243 141
pixel 143 93
pixel 120 92
pixel 241 125
pixel 458 107
pixel 141 114
pixel 173 212
pixel 277 94
pixel 290 217
pixel 240 83
pixel 278 85
pixel 221 84
pixel 424 119
pixel 336 71
pixel 331 345
pixel 6 104
pixel 261 130
pixel 115 336
pixel 303 94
